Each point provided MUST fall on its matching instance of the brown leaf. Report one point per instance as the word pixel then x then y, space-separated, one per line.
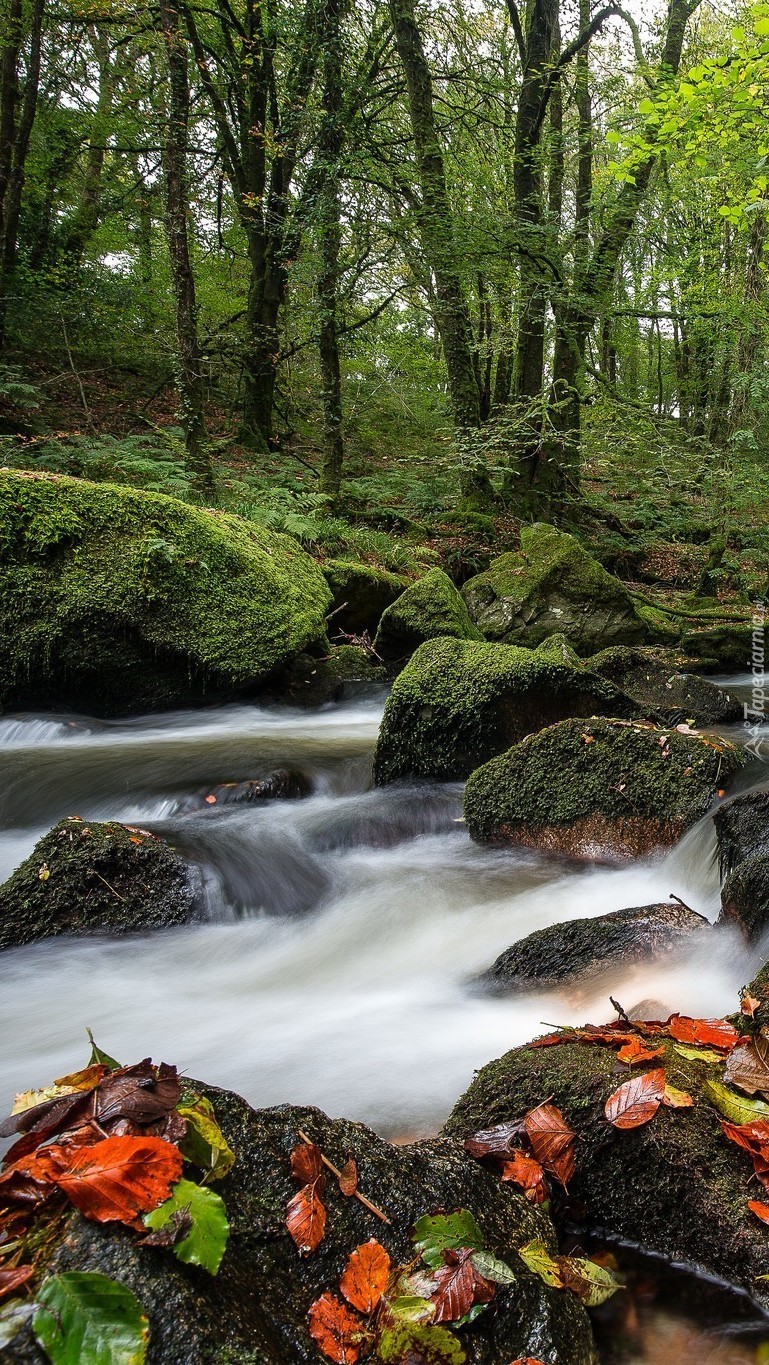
pixel 337 1331
pixel 119 1177
pixel 142 1095
pixel 306 1163
pixel 306 1216
pixel 634 1052
pixel 523 1170
pixel 11 1279
pixel 348 1177
pixel 747 1065
pixel 637 1100
pixel 458 1286
pixel 497 1141
pixel 705 1032
pixel 552 1140
pixel 173 1231
pixel 752 1137
pixel 749 1004
pixel 365 1277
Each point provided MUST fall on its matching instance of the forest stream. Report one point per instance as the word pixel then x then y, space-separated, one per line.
pixel 343 930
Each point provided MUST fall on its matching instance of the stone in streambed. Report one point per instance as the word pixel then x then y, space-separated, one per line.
pixel 285 784
pixel 89 878
pixel 255 1311
pixel 360 594
pixel 429 609
pixel 580 949
pixel 742 831
pixel 598 789
pixel 662 691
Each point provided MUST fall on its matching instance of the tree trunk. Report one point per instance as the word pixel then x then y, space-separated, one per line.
pixel 19 133
pixel 330 231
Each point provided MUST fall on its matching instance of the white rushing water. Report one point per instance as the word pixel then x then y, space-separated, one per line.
pixel 345 929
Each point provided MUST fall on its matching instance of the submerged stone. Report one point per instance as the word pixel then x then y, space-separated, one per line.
pixel 90 878
pixel 114 600
pixel 598 789
pixel 457 703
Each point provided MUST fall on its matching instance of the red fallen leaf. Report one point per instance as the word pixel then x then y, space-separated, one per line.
pixel 552 1140
pixel 120 1177
pixel 211 800
pixel 13 1279
pixel 458 1286
pixel 749 1004
pixel 527 1360
pixel 306 1164
pixel 705 1032
pixel 523 1170
pixel 306 1216
pixel 364 1279
pixel 551 1040
pixel 752 1137
pixel 348 1177
pixel 634 1052
pixel 637 1100
pixel 337 1331
pixel 495 1141
pixel 760 1210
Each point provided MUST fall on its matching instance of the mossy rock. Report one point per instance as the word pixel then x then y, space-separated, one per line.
pixel 457 703
pixel 430 609
pixel 598 789
pixel 552 585
pixel 557 647
pixel 255 1311
pixel 315 680
pixel 360 594
pixel 84 878
pixel 582 949
pixel 662 691
pixel 114 600
pixel 722 648
pixel 676 1187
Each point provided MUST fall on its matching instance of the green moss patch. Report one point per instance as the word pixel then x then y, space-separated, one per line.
pixel 429 609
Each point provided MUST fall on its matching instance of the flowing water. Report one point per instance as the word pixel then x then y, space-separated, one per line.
pixel 343 931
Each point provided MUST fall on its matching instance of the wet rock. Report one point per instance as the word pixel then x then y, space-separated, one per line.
pixel 457 703
pixel 114 600
pixel 361 593
pixel 552 585
pixel 315 680
pixel 723 648
pixel 285 784
pixel 255 1311
pixel 676 1187
pixel 584 948
pixel 598 789
pixel 742 830
pixel 662 691
pixel 88 878
pixel 427 610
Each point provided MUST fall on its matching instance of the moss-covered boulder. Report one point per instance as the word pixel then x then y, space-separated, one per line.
pixel 557 647
pixel 255 1311
pixel 457 703
pixel 582 949
pixel 724 648
pixel 114 600
pixel 86 878
pixel 552 585
pixel 662 691
pixel 429 609
pixel 598 789
pixel 360 594
pixel 676 1187
pixel 322 677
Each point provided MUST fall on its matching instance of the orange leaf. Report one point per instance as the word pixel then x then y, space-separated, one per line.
pixel 306 1217
pixel 364 1279
pixel 676 1099
pixel 749 1004
pixel 637 1100
pixel 526 1360
pixel 760 1210
pixel 337 1331
pixel 523 1170
pixel 306 1164
pixel 348 1177
pixel 211 800
pixel 120 1177
pixel 705 1032
pixel 552 1140
pixel 11 1279
pixel 635 1052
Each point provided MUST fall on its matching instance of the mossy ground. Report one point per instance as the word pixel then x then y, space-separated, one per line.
pixel 112 599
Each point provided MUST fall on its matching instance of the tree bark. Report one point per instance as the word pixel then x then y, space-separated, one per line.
pixel 17 117
pixel 331 143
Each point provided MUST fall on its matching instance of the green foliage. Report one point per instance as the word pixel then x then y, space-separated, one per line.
pixel 202 1213
pixel 84 1318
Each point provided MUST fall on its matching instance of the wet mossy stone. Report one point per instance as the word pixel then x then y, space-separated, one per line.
pixel 457 703
pixel 255 1311
pixel 675 1187
pixel 725 647
pixel 662 691
pixel 580 949
pixel 598 789
pixel 745 897
pixel 430 609
pixel 360 594
pixel 114 600
pixel 552 585
pixel 84 878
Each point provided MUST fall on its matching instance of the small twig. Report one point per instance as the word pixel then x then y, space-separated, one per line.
pixel 673 897
pixel 616 1006
pixel 335 1171
pixel 83 399
pixel 110 888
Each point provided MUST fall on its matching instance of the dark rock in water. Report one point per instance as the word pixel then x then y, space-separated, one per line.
pixel 745 897
pixel 428 610
pixel 553 585
pixel 722 648
pixel 675 1187
pixel 285 784
pixel 598 789
pixel 742 830
pixel 662 691
pixel 578 949
pixel 457 703
pixel 361 593
pixel 312 680
pixel 88 878
pixel 255 1311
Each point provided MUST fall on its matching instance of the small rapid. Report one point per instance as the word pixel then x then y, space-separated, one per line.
pixel 343 931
